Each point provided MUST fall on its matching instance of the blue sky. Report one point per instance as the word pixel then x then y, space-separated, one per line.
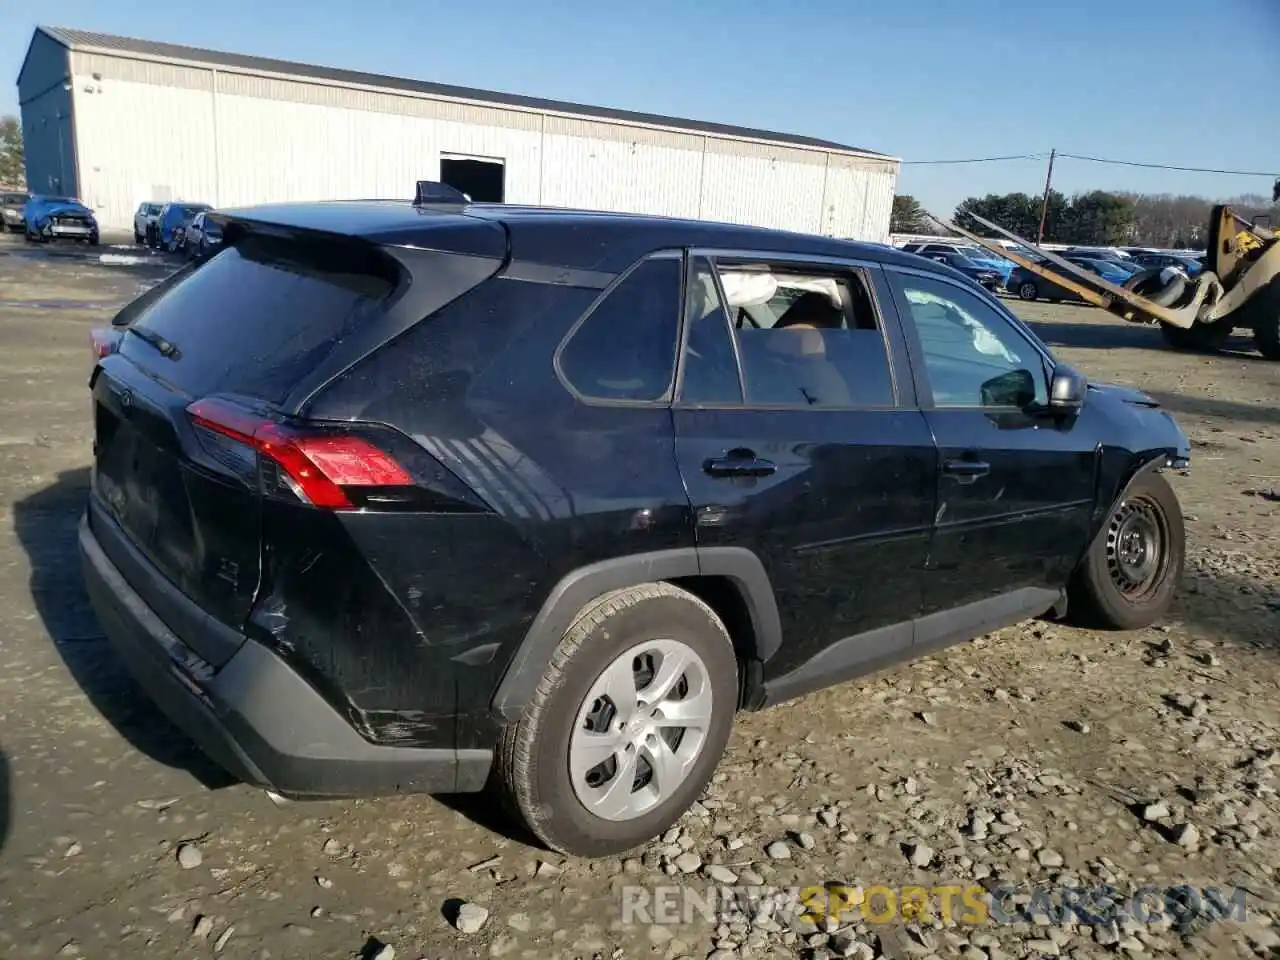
pixel 1149 80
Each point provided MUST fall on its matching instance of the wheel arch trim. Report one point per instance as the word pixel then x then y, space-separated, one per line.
pixel 1152 462
pixel 580 587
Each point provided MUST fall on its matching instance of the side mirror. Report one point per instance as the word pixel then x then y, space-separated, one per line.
pixel 1067 388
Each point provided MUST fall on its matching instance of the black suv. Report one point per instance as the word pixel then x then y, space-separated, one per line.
pixel 422 498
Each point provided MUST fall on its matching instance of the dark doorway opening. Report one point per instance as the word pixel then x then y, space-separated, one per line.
pixel 481 180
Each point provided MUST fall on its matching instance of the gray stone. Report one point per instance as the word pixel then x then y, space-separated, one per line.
pixel 920 855
pixel 519 922
pixel 778 850
pixel 1186 835
pixel 688 862
pixel 806 841
pixel 721 874
pixel 659 934
pixel 331 847
pixel 1154 811
pixel 189 856
pixel 1049 858
pixel 471 917
pixel 844 944
pixel 224 937
pixel 203 927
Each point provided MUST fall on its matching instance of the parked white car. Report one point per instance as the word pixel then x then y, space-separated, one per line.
pixel 144 219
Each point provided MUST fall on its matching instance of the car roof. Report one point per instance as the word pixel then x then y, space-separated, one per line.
pixel 587 239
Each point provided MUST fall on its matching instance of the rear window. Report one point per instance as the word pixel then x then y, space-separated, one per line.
pixel 261 315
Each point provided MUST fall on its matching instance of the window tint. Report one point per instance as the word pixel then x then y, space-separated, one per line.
pixel 261 315
pixel 806 338
pixel 710 368
pixel 973 355
pixel 625 348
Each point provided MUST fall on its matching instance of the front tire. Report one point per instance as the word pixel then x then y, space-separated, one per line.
pixel 1128 577
pixel 1266 337
pixel 1200 338
pixel 1028 291
pixel 627 724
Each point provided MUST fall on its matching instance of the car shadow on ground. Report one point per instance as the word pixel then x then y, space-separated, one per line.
pixel 1251 413
pixel 1119 335
pixel 46 524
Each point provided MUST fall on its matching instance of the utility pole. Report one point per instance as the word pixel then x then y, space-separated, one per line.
pixel 1044 201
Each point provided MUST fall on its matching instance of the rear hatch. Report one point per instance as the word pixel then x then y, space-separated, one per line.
pixel 195 413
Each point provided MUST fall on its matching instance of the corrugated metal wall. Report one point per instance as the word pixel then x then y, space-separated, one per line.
pixel 156 132
pixel 46 115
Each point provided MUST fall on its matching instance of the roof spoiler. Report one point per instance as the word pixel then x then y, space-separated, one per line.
pixel 433 191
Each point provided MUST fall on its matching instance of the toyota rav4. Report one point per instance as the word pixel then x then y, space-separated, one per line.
pixel 442 497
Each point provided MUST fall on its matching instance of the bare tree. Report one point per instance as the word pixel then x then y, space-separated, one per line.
pixel 12 171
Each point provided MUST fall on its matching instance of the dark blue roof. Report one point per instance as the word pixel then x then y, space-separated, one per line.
pixel 587 239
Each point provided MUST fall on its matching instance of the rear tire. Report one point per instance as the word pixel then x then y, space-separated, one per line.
pixel 1266 337
pixel 1128 577
pixel 621 642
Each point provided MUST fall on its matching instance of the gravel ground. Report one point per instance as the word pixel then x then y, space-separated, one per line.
pixel 1036 758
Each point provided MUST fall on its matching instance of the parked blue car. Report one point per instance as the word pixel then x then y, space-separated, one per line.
pixel 1158 261
pixel 979 272
pixel 1108 270
pixel 59 218
pixel 170 228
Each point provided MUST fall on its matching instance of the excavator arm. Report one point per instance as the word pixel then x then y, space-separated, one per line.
pixel 1239 287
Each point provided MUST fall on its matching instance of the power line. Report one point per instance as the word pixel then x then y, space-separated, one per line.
pixel 1169 166
pixel 1021 156
pixel 1081 156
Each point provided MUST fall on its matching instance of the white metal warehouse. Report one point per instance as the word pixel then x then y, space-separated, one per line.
pixel 116 121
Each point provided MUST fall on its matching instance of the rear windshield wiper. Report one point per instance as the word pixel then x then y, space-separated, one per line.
pixel 166 347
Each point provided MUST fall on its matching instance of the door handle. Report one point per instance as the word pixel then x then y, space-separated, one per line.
pixel 965 471
pixel 739 463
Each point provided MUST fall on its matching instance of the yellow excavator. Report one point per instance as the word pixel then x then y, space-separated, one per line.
pixel 1239 287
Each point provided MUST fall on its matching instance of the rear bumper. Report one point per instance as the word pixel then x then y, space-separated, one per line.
pixel 256 716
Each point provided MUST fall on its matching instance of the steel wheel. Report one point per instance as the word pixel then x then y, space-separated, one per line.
pixel 1137 548
pixel 640 729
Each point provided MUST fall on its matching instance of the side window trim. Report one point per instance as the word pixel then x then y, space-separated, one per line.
pixel 859 267
pixel 690 260
pixel 660 402
pixel 911 335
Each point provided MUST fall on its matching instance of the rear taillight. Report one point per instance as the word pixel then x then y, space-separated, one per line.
pixel 315 465
pixel 104 340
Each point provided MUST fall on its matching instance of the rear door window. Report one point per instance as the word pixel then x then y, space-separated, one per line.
pixel 260 315
pixel 807 337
